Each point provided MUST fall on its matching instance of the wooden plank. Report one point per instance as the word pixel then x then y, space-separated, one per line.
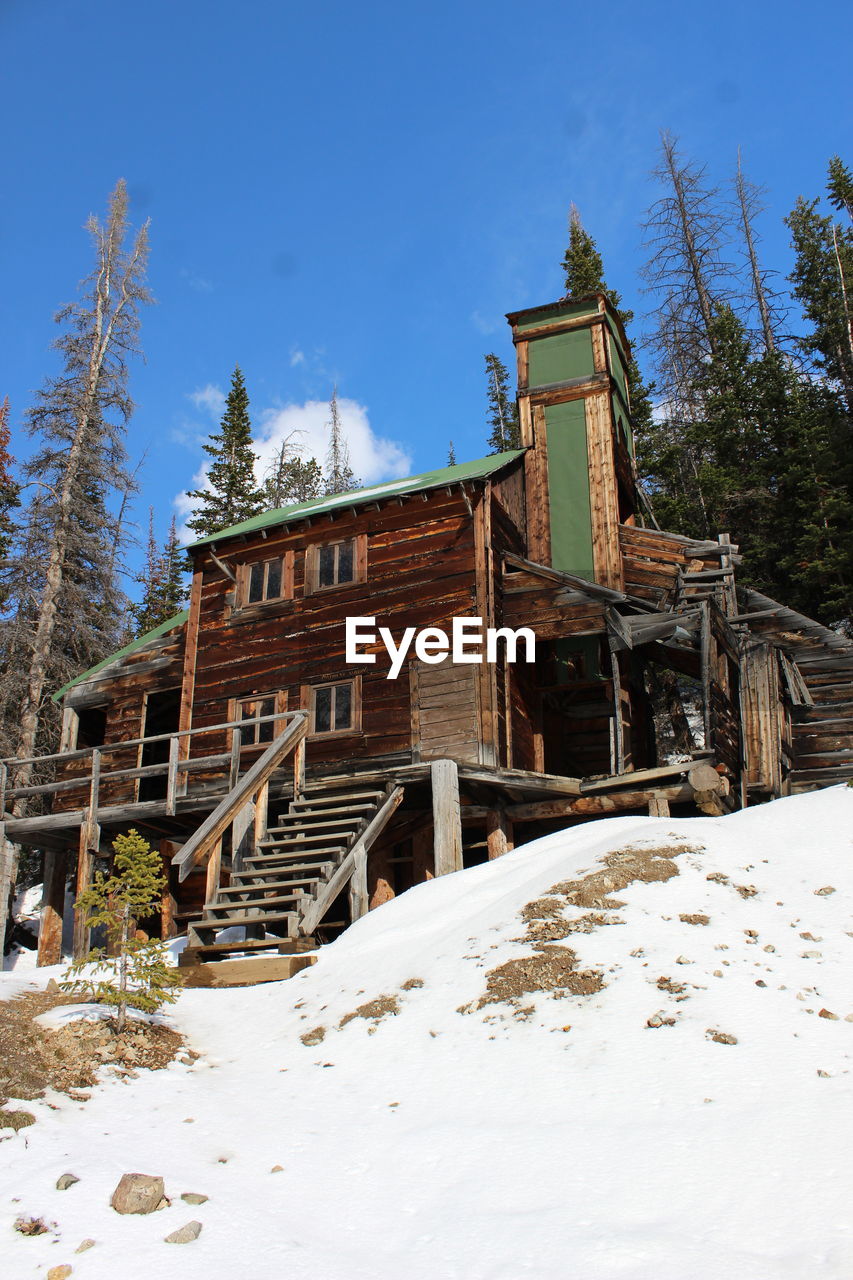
pixel 446 816
pixel 185 715
pixel 498 833
pixel 245 973
pixel 590 805
pixel 603 498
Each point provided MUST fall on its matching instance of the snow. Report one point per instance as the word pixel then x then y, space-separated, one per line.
pixel 565 1140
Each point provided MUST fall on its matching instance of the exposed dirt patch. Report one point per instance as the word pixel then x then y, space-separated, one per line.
pixel 695 917
pixel 746 890
pixel 33 1058
pixel 674 988
pixel 552 969
pixel 373 1011
pixel 720 1037
pixel 317 1036
pixel 412 984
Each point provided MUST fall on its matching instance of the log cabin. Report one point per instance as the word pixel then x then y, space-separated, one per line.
pixel 294 783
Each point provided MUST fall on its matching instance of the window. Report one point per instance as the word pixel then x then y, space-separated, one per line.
pixel 335 564
pixel 265 580
pixel 250 712
pixel 334 707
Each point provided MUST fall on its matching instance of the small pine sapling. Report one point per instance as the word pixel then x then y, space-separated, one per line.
pixel 136 975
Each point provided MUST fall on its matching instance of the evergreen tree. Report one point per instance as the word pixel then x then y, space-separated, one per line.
pixel 131 972
pixel 583 269
pixel 291 478
pixel 503 410
pixel 823 281
pixel 451 455
pixel 232 495
pixel 748 207
pixel 339 477
pixel 162 581
pixel 9 500
pixel 840 186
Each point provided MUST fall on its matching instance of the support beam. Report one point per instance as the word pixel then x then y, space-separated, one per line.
pixel 446 816
pixel 658 806
pixel 52 906
pixel 498 833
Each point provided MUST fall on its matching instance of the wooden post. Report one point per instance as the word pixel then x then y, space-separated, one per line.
pixel 618 727
pixel 52 906
pixel 446 816
pixel 82 934
pixel 168 927
pixel 188 678
pixel 236 744
pixel 214 871
pixel 706 672
pixel 658 806
pixel 498 833
pixel 358 898
pixel 242 835
pixel 172 775
pixel 261 812
pixel 299 770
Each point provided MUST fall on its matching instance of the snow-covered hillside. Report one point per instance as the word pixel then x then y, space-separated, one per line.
pixel 621 1051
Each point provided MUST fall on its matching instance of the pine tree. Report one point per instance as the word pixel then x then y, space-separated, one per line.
pixel 823 282
pixel 131 972
pixel 232 495
pixel 291 478
pixel 9 500
pixel 840 186
pixel 451 455
pixel 748 207
pixel 339 477
pixel 162 580
pixel 502 414
pixel 583 269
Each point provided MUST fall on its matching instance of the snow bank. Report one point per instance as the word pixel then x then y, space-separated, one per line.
pixel 688 1117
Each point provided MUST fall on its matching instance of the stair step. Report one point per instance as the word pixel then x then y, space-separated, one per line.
pixel 273 858
pixel 273 918
pixel 211 911
pixel 266 888
pixel 259 873
pixel 335 797
pixel 306 839
pixel 296 824
pixel 299 814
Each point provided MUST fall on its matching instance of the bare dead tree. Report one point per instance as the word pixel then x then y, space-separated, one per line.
pixel 748 204
pixel 80 416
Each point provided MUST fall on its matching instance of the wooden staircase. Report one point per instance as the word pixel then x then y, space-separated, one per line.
pixel 280 890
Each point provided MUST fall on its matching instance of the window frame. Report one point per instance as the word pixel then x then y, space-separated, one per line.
pixel 308 702
pixel 244 578
pixel 358 542
pixel 279 697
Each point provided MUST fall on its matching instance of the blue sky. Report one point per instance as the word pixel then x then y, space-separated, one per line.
pixel 359 192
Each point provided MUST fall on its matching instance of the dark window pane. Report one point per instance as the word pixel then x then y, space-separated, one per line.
pixel 327 566
pixel 343 706
pixel 266 732
pixel 274 580
pixel 345 562
pixel 323 710
pixel 256 583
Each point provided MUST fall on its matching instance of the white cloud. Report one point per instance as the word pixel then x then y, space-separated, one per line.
pixel 373 458
pixel 210 398
pixel 296 357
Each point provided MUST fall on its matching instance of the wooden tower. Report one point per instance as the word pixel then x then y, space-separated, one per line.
pixel 575 413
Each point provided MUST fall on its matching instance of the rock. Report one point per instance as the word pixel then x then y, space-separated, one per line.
pixel 62 1272
pixel 825 891
pixel 721 1037
pixel 824 1075
pixel 825 1013
pixel 682 960
pixel 67 1180
pixel 654 1021
pixel 194 1197
pixel 770 947
pixel 52 986
pixel 84 1245
pixel 759 982
pixel 184 1235
pixel 138 1193
pixel 277 1168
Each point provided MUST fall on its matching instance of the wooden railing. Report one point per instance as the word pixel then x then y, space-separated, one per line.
pixel 95 777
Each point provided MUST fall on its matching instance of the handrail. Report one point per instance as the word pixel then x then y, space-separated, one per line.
pixel 9 765
pixel 201 843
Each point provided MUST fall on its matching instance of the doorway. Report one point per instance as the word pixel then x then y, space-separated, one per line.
pixel 162 712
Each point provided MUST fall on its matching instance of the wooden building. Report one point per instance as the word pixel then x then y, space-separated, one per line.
pixel 292 787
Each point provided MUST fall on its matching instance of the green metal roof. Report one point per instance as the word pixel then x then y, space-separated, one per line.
pixel 169 625
pixel 318 506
